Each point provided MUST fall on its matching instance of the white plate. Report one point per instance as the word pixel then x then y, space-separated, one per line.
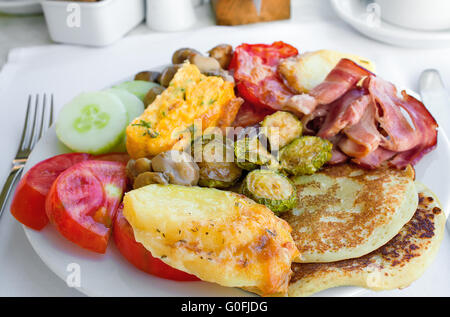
pixel 362 15
pixel 111 275
pixel 20 6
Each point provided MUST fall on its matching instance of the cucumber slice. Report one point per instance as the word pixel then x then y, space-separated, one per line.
pixel 134 106
pixel 139 88
pixel 92 122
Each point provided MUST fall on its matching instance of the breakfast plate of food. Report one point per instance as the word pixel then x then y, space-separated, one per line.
pixel 248 170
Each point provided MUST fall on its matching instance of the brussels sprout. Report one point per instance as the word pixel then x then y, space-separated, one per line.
pixel 250 154
pixel 281 128
pixel 217 166
pixel 305 155
pixel 271 189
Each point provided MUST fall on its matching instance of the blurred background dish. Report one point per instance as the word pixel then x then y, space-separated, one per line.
pixel 103 22
pixel 365 17
pixel 161 15
pixel 20 6
pixel 430 15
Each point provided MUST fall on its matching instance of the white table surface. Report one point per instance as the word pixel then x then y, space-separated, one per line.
pixel 23 273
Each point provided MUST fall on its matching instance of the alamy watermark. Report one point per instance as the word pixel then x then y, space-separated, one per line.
pixel 73 279
pixel 372 16
pixel 73 19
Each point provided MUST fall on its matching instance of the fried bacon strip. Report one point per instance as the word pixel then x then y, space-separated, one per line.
pixel 339 81
pixel 365 122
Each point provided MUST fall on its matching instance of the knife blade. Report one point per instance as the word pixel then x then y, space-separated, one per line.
pixel 434 95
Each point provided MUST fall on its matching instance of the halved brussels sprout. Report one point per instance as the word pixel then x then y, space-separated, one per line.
pixel 217 166
pixel 281 128
pixel 251 154
pixel 271 189
pixel 305 155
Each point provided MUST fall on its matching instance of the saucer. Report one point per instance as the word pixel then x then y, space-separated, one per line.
pixel 364 16
pixel 20 6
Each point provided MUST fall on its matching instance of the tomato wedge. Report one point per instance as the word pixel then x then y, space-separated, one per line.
pixel 83 201
pixel 28 204
pixel 139 256
pixel 256 76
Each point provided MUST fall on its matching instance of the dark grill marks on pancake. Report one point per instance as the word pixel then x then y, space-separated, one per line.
pixel 414 237
pixel 350 228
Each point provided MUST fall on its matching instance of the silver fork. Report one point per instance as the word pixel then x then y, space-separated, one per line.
pixel 38 119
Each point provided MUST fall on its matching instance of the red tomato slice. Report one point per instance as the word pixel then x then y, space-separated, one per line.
pixel 139 256
pixel 113 157
pixel 28 204
pixel 256 76
pixel 83 201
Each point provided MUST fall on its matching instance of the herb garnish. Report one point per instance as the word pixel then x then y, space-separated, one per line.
pixel 148 127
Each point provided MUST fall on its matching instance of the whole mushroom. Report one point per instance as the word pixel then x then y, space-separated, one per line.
pixel 223 54
pixel 136 167
pixel 148 178
pixel 179 166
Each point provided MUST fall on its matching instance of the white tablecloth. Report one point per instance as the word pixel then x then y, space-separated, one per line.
pixel 66 71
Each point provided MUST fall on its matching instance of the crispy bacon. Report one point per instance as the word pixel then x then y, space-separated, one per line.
pixel 346 111
pixel 425 125
pixel 365 123
pixel 313 121
pixel 364 133
pixel 339 81
pixel 374 159
pixel 400 135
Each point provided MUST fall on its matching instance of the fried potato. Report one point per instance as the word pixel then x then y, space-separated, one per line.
pixel 304 72
pixel 219 236
pixel 191 98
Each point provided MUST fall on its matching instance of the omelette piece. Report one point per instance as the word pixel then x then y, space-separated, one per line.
pixel 192 100
pixel 304 72
pixel 219 236
pixel 345 212
pixel 395 265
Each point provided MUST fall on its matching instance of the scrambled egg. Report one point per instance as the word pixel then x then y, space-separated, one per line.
pixel 191 98
pixel 219 236
pixel 304 72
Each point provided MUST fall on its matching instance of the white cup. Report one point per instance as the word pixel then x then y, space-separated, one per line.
pixel 170 15
pixel 429 15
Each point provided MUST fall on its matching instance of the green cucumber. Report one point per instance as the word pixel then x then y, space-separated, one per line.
pixel 139 88
pixel 92 122
pixel 134 106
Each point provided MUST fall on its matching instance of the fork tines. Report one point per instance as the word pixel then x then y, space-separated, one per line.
pixel 39 117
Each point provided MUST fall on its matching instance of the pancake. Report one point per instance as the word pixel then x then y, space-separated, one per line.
pixel 345 212
pixel 395 265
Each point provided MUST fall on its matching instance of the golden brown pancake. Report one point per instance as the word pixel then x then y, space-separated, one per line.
pixel 345 212
pixel 395 265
